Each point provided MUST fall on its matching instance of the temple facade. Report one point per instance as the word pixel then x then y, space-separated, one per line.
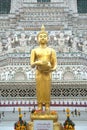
pixel 66 23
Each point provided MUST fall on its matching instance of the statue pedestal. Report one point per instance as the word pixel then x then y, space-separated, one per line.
pixel 50 116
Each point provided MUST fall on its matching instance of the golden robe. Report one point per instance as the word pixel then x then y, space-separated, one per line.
pixel 43 73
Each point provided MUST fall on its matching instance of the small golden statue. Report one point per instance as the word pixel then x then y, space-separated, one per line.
pixel 68 124
pixel 45 61
pixel 20 125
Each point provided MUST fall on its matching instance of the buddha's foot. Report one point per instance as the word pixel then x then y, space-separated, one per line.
pixel 39 106
pixel 47 107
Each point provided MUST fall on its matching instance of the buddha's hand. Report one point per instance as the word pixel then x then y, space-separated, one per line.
pixel 36 63
pixel 53 69
pixel 39 62
pixel 42 63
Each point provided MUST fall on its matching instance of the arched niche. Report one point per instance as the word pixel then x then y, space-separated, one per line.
pixel 68 75
pixel 20 75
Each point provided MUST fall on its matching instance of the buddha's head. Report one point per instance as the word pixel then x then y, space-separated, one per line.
pixel 42 36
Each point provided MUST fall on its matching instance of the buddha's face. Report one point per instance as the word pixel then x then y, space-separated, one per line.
pixel 42 38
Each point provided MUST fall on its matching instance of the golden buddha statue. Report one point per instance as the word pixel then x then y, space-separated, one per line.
pixel 45 61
